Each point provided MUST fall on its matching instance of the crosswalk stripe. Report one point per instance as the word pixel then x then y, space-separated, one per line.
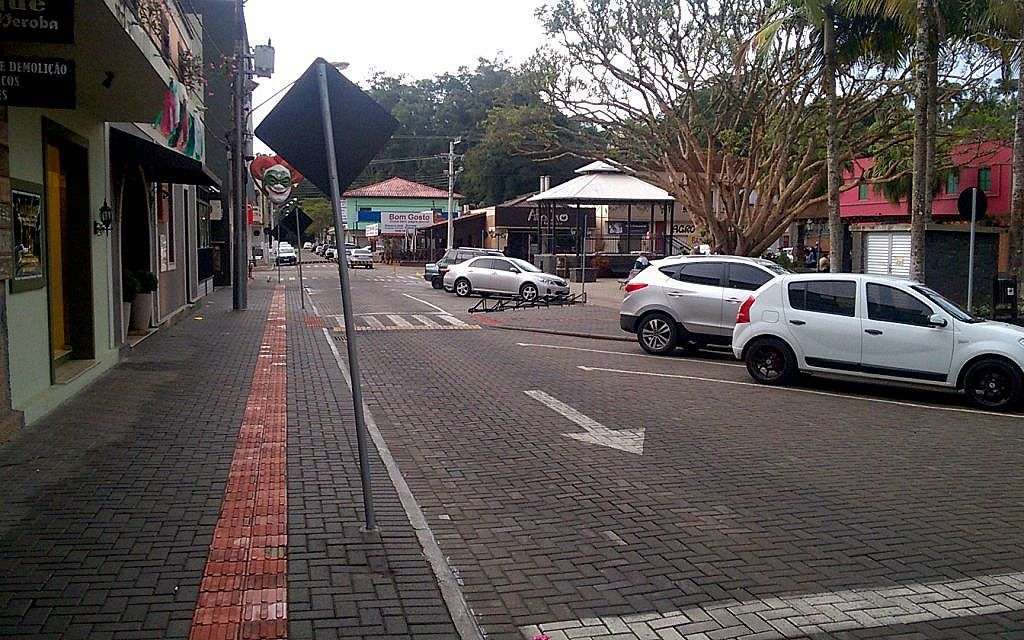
pixel 373 322
pixel 400 321
pixel 452 320
pixel 427 321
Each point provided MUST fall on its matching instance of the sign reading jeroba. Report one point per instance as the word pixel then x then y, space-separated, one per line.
pixel 37 82
pixel 37 21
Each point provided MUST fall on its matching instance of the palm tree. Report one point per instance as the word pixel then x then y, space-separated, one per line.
pixel 1005 19
pixel 821 16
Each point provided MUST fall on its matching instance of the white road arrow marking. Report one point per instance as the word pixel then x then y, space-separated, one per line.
pixel 630 441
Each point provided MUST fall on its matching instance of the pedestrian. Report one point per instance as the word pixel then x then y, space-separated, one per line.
pixel 642 262
pixel 823 263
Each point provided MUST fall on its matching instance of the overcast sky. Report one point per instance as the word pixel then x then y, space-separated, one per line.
pixel 419 38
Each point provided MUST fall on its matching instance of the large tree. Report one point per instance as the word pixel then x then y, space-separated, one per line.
pixel 735 137
pixel 459 105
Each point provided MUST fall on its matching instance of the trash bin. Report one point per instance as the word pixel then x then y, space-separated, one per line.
pixel 1004 297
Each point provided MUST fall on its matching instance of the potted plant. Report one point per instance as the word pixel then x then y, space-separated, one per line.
pixel 142 305
pixel 129 289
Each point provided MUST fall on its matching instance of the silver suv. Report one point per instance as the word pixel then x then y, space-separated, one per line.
pixel 691 301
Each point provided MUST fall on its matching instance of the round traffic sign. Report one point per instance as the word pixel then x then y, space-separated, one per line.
pixel 964 203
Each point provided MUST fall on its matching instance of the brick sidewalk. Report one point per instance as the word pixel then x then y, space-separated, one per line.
pixel 110 503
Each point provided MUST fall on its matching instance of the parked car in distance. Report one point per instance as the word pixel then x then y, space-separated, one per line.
pixel 285 254
pixel 361 258
pixel 503 276
pixel 690 301
pixel 433 272
pixel 331 253
pixel 307 246
pixel 877 328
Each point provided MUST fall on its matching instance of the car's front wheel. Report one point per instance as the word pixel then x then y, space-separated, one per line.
pixel 529 292
pixel 437 283
pixel 463 288
pixel 993 384
pixel 657 334
pixel 771 361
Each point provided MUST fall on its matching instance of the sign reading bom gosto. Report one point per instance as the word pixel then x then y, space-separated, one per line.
pixel 37 21
pixel 401 222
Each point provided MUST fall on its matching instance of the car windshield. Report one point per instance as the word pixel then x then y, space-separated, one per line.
pixel 524 265
pixel 947 305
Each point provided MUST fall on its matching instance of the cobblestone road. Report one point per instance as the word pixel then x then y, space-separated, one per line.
pixel 577 488
pixel 831 510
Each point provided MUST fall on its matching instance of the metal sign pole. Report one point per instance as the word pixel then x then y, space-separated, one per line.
pixel 346 303
pixel 298 242
pixel 277 253
pixel 970 260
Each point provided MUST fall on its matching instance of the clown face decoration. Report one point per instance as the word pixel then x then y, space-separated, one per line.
pixel 274 177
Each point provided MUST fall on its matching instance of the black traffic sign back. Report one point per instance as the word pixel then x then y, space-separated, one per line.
pixel 963 203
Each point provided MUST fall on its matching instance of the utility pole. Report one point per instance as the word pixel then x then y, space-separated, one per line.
pixel 240 277
pixel 451 189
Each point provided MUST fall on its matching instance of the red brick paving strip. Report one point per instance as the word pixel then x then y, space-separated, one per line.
pixel 243 594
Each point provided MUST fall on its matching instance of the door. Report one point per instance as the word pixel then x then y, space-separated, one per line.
pixel 888 253
pixel 694 293
pixel 480 274
pixel 741 281
pixel 899 339
pixel 56 213
pixel 503 279
pixel 822 317
pixel 69 250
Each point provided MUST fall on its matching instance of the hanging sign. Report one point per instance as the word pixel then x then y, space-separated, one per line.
pixel 37 82
pixel 274 177
pixel 37 21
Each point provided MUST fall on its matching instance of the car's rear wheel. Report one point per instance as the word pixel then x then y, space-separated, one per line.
pixel 993 384
pixel 657 334
pixel 771 361
pixel 529 292
pixel 462 288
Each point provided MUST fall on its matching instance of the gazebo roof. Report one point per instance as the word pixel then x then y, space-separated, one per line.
pixel 601 182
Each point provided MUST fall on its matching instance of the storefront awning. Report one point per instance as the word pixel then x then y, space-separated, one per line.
pixel 161 163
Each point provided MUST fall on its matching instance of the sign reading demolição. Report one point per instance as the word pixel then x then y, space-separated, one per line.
pixel 401 222
pixel 37 82
pixel 37 21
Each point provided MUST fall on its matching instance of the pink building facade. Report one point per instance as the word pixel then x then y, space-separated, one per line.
pixel 986 164
pixel 879 230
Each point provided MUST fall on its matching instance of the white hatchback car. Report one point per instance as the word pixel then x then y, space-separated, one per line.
pixel 881 329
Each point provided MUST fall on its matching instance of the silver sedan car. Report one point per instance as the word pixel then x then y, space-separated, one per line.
pixel 503 276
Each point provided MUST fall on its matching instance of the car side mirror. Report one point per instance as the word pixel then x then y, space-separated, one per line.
pixel 937 320
pixel 514 270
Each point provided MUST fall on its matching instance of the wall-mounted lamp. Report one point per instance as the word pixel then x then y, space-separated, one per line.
pixel 106 220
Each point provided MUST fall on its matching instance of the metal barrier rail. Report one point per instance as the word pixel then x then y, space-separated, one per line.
pixel 493 305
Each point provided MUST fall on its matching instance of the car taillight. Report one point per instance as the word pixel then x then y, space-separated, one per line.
pixel 743 315
pixel 635 286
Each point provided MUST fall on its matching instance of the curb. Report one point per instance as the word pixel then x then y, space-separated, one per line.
pixel 555 332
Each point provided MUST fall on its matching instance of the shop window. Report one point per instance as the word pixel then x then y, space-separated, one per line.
pixel 953 182
pixel 862 191
pixel 985 178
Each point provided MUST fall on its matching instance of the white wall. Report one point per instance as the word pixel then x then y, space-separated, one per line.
pixel 28 312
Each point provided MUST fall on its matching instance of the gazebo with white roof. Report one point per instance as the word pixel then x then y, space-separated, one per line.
pixel 602 183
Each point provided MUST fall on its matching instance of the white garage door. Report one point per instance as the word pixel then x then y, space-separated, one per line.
pixel 888 253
